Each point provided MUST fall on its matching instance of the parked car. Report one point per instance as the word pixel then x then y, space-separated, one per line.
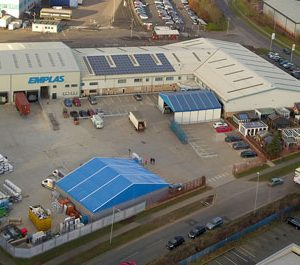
pixel 240 145
pixel 68 102
pixel 138 97
pixel 214 223
pixel 220 124
pixel 76 102
pixel 276 181
pixel 197 231
pixel 223 129
pixel 248 153
pixel 232 138
pixel 92 100
pixel 91 112
pixel 83 113
pixel 296 74
pixel 175 242
pixel 74 114
pixel 294 221
pixel 287 51
pixel 99 112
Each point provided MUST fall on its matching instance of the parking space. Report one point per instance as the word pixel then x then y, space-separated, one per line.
pixel 254 249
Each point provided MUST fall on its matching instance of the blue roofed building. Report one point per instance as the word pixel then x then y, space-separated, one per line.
pixel 103 183
pixel 191 106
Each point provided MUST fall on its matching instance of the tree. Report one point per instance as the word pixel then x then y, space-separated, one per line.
pixel 274 148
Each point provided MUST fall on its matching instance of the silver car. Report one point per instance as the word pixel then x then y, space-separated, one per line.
pixel 214 223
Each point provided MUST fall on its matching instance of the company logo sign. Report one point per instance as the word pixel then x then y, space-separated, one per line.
pixel 46 79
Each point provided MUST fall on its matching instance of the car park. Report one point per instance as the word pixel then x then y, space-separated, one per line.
pixel 197 231
pixel 220 124
pixel 275 182
pixel 294 221
pixel 76 101
pixel 175 242
pixel 68 102
pixel 74 114
pixel 83 113
pixel 240 145
pixel 214 223
pixel 248 154
pixel 223 129
pixel 232 138
pixel 92 100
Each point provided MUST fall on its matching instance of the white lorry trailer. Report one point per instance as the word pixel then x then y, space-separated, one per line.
pixel 297 175
pixel 97 121
pixel 137 120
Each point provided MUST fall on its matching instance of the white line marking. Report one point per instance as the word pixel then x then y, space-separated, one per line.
pixel 230 260
pixel 247 252
pixel 218 262
pixel 239 256
pixel 130 256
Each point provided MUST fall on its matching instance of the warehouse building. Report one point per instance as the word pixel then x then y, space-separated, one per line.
pixel 16 8
pixel 240 79
pixel 285 14
pixel 104 183
pixel 191 106
pixel 46 69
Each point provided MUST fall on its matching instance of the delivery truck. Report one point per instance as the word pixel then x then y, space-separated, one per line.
pixel 22 103
pixel 97 121
pixel 137 120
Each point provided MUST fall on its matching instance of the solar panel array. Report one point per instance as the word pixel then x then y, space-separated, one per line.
pixel 192 100
pixel 124 65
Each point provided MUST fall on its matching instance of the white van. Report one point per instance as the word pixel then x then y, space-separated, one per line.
pixel 97 121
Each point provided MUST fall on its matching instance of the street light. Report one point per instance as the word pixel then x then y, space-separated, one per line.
pixel 112 223
pixel 228 20
pixel 293 48
pixel 272 38
pixel 256 192
pixel 113 14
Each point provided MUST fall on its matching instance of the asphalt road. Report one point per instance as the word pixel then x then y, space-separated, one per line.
pixel 232 200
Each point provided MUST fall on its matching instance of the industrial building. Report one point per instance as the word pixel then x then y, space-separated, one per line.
pixel 285 14
pixel 16 8
pixel 241 79
pixel 191 106
pixel 104 183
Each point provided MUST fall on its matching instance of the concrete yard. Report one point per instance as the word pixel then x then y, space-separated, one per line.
pixel 35 149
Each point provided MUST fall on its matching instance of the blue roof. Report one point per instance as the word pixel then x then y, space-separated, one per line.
pixel 254 124
pixel 191 100
pixel 136 64
pixel 102 183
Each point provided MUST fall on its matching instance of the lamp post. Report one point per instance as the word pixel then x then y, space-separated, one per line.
pixel 293 48
pixel 228 20
pixel 112 223
pixel 272 38
pixel 113 14
pixel 256 192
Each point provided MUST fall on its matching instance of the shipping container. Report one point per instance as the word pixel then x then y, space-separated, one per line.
pixel 68 3
pixel 22 103
pixel 137 120
pixel 40 217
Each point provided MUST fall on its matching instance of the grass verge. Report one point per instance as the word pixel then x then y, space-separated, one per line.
pixel 251 171
pixel 286 158
pixel 120 239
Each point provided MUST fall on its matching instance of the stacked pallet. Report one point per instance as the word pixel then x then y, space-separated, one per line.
pixel 5 166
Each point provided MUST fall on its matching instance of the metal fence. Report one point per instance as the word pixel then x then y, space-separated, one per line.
pixel 234 237
pixel 181 135
pixel 64 238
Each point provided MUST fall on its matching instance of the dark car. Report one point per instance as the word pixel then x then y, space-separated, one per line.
pixel 99 112
pixel 248 153
pixel 276 181
pixel 76 102
pixel 197 231
pixel 232 138
pixel 287 51
pixel 138 97
pixel 74 114
pixel 91 112
pixel 296 74
pixel 294 221
pixel 240 145
pixel 83 113
pixel 214 223
pixel 175 242
pixel 92 100
pixel 68 102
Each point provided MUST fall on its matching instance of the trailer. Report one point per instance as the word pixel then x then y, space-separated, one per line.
pixel 137 120
pixel 22 103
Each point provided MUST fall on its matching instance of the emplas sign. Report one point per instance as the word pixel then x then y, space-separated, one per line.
pixel 46 79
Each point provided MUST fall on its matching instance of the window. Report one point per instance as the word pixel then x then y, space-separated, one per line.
pixel 179 77
pixel 169 78
pixel 158 78
pixel 147 79
pixel 54 86
pixel 93 91
pixel 67 85
pixel 121 81
pixel 138 80
pixel 82 84
pixel 74 85
pixel 93 83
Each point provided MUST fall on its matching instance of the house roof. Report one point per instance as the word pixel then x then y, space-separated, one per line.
pixel 265 111
pixel 191 100
pixel 255 124
pixel 102 183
